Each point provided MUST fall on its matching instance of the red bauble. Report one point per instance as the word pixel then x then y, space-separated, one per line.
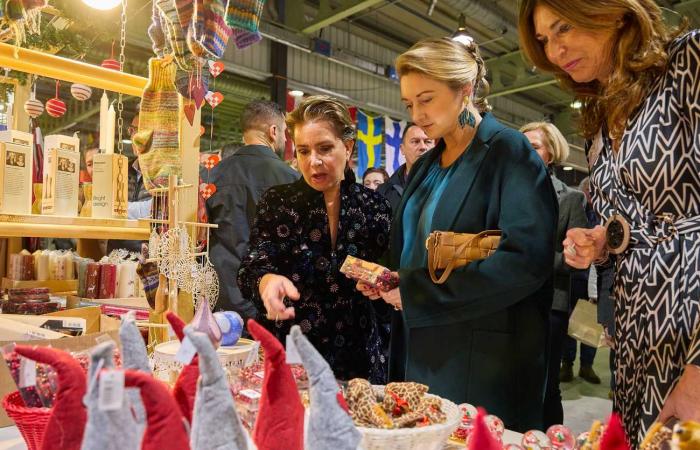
pixel 55 106
pixel 111 64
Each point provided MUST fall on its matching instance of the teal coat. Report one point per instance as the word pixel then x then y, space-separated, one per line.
pixel 481 337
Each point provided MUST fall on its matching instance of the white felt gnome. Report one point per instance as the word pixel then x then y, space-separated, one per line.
pixel 215 422
pixel 134 357
pixel 329 423
pixel 107 430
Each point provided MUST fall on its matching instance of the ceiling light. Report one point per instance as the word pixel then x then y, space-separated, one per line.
pixel 461 35
pixel 567 168
pixel 102 4
pixel 576 104
pixel 296 93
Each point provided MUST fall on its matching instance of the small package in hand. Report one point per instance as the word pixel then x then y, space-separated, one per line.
pixel 370 273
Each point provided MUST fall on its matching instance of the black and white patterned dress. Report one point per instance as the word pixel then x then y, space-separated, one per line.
pixel 657 286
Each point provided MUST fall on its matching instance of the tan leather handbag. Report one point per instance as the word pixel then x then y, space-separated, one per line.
pixel 448 250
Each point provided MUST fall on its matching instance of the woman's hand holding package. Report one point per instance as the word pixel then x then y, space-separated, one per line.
pixel 368 290
pixel 392 297
pixel 273 290
pixel 584 246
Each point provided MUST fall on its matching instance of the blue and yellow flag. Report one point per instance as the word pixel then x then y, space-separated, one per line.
pixel 370 131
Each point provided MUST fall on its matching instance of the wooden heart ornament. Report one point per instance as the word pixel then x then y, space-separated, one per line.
pixel 216 68
pixel 189 111
pixel 207 190
pixel 214 98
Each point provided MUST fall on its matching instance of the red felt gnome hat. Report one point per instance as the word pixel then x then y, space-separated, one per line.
pixel 614 437
pixel 481 438
pixel 164 428
pixel 185 387
pixel 68 415
pixel 280 422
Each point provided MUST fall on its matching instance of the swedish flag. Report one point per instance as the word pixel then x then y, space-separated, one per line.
pixel 370 131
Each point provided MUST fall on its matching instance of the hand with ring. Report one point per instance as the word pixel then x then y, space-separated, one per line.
pixel 273 290
pixel 582 246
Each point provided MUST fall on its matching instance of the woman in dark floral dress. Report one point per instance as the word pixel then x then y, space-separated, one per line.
pixel 301 235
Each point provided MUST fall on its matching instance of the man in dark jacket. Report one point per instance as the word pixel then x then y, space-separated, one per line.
pixel 240 181
pixel 414 143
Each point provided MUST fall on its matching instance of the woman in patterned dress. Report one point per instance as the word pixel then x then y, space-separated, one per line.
pixel 301 235
pixel 640 87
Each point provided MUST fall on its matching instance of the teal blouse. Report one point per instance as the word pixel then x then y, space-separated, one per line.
pixel 418 215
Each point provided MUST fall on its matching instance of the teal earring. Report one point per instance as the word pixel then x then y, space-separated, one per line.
pixel 467 118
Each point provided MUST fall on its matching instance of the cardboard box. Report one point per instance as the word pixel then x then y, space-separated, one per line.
pixel 16 161
pixel 99 328
pixel 61 176
pixel 77 325
pixel 110 186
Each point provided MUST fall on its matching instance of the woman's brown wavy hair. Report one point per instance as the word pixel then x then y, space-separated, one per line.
pixel 639 57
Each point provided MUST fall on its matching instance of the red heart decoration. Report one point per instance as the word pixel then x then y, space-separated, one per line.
pixel 216 68
pixel 189 111
pixel 198 93
pixel 214 98
pixel 208 190
pixel 211 162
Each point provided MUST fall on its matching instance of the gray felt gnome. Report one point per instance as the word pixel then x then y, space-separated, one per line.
pixel 134 357
pixel 107 430
pixel 215 422
pixel 329 424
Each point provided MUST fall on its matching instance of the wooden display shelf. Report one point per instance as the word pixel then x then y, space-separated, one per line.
pixel 21 225
pixel 131 302
pixel 55 286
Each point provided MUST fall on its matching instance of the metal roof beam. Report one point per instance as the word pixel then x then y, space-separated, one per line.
pixel 508 74
pixel 327 16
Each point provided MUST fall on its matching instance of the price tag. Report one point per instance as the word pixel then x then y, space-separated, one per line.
pixel 186 351
pixel 260 374
pixel 253 355
pixel 111 393
pixel 292 352
pixel 27 372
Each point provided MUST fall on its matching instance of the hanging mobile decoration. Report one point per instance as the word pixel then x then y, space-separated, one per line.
pixel 111 63
pixel 216 68
pixel 33 107
pixel 55 107
pixel 80 92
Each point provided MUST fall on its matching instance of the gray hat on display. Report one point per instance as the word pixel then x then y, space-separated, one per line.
pixel 134 357
pixel 329 425
pixel 107 430
pixel 215 422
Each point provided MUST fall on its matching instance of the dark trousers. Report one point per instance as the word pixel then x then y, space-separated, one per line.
pixel 553 411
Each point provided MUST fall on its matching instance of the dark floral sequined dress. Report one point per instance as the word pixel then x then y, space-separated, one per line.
pixel 290 237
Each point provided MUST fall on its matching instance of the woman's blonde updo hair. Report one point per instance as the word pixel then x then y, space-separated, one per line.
pixel 323 108
pixel 450 62
pixel 553 139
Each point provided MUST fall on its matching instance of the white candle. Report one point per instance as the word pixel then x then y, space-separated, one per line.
pixel 126 275
pixel 68 257
pixel 42 267
pixel 111 118
pixel 104 110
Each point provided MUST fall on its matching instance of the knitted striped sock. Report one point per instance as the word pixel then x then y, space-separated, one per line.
pixel 159 114
pixel 244 14
pixel 210 33
pixel 173 30
pixel 245 38
pixel 156 33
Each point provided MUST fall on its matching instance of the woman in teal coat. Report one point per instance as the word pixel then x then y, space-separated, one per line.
pixel 481 337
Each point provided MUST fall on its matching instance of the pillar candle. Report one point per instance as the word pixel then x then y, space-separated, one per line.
pixel 53 262
pixel 68 258
pixel 92 280
pixel 60 266
pixel 82 273
pixel 15 269
pixel 42 267
pixel 27 267
pixel 111 117
pixel 108 281
pixel 104 111
pixel 127 280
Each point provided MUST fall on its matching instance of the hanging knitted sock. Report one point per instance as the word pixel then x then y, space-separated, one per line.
pixel 158 117
pixel 134 356
pixel 165 428
pixel 185 387
pixel 156 33
pixel 280 421
pixel 174 32
pixel 185 10
pixel 108 430
pixel 66 424
pixel 209 37
pixel 329 425
pixel 215 422
pixel 148 274
pixel 245 38
pixel 244 14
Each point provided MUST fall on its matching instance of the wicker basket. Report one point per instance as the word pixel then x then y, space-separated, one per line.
pixel 432 437
pixel 31 422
